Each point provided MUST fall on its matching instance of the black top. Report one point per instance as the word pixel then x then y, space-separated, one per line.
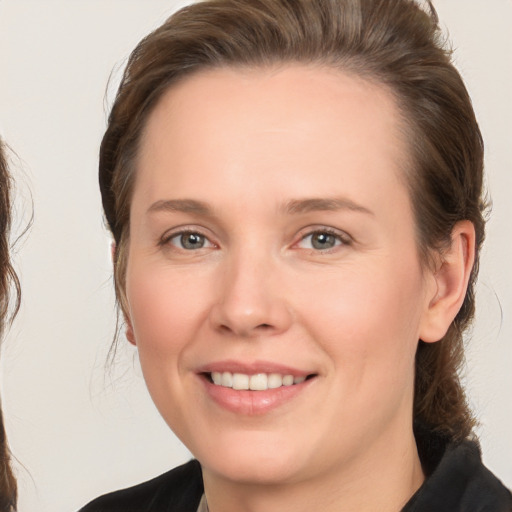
pixel 178 490
pixel 458 482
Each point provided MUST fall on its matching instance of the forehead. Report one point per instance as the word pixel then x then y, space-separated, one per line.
pixel 240 125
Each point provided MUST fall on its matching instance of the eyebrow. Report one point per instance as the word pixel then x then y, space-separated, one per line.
pixel 297 206
pixel 181 205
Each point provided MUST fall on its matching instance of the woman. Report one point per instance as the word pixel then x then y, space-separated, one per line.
pixel 295 194
pixel 7 277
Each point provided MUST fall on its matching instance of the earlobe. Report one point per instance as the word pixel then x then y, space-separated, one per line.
pixel 451 281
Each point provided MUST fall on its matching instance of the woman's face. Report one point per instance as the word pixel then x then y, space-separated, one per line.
pixel 272 241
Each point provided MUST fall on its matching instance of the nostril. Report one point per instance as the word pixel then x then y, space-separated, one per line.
pixel 224 328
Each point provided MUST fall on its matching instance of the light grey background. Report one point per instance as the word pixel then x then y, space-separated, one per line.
pixel 77 430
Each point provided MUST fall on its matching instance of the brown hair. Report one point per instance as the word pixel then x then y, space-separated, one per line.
pixel 8 278
pixel 395 43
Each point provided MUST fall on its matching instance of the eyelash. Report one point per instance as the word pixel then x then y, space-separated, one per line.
pixel 341 239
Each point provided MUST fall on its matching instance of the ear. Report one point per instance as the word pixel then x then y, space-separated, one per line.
pixel 450 282
pixel 129 328
pixel 130 336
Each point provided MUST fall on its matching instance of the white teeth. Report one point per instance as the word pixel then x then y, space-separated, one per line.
pixel 240 381
pixel 256 382
pixel 227 380
pixel 287 380
pixel 275 380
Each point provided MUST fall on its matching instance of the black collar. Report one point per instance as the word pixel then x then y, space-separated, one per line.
pixel 457 480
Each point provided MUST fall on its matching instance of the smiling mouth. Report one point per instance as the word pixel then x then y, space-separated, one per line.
pixel 255 382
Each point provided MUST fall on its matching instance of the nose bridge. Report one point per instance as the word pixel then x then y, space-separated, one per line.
pixel 251 299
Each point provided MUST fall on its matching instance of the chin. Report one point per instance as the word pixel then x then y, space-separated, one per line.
pixel 251 472
pixel 253 464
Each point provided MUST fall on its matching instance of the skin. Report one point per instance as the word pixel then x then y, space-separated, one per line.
pixel 253 147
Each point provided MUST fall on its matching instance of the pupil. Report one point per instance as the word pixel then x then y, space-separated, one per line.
pixel 192 241
pixel 323 241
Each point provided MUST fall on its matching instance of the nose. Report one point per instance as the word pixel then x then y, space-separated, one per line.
pixel 251 300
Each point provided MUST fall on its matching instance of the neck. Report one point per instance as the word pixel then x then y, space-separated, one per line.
pixel 383 478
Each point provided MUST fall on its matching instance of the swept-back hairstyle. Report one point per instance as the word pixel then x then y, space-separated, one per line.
pixel 395 43
pixel 8 279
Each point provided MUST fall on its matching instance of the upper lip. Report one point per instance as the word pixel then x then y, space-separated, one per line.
pixel 252 368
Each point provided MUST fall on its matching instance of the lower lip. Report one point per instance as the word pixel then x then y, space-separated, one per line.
pixel 253 403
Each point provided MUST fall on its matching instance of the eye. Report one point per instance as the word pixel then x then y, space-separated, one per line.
pixel 189 241
pixel 322 240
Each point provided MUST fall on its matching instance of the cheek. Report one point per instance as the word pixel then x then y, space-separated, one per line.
pixel 367 317
pixel 165 310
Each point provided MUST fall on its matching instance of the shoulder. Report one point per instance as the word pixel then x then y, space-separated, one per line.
pixel 461 482
pixel 480 485
pixel 178 490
